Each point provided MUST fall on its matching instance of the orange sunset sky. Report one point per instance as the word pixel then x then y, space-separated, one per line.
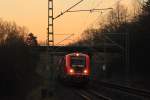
pixel 33 15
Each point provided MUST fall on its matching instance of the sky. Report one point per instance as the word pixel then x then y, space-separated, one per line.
pixel 33 15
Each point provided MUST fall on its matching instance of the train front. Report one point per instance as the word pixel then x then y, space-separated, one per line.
pixel 78 67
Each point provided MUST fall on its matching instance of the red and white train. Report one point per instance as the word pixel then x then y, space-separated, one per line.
pixel 75 67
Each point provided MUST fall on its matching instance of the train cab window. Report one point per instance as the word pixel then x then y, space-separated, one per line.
pixel 79 61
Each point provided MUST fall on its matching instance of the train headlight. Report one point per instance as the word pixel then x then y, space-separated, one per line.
pixel 71 71
pixel 77 54
pixel 85 71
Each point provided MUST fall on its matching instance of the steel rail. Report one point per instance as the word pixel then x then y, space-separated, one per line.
pixel 88 93
pixel 129 90
pixel 82 94
pixel 99 95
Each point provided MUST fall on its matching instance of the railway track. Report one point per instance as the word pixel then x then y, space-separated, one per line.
pixel 129 90
pixel 89 94
pixel 105 91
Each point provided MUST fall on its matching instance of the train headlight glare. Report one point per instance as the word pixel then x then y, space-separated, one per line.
pixel 71 71
pixel 77 54
pixel 85 71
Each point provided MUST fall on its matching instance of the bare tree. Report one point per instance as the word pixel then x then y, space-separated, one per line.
pixel 116 18
pixel 11 32
pixel 17 62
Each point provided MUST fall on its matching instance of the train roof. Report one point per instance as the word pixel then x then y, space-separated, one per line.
pixel 77 54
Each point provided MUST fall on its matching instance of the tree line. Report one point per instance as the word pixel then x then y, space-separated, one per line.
pixel 17 61
pixel 136 26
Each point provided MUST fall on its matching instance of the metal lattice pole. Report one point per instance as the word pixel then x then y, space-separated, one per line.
pixel 50 42
pixel 50 37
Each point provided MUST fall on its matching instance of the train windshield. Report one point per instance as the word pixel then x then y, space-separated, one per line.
pixel 80 61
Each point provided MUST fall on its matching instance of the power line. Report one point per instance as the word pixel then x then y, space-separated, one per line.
pixel 65 39
pixel 83 10
pixel 106 37
pixel 90 10
pixel 62 34
pixel 68 9
pixel 95 6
